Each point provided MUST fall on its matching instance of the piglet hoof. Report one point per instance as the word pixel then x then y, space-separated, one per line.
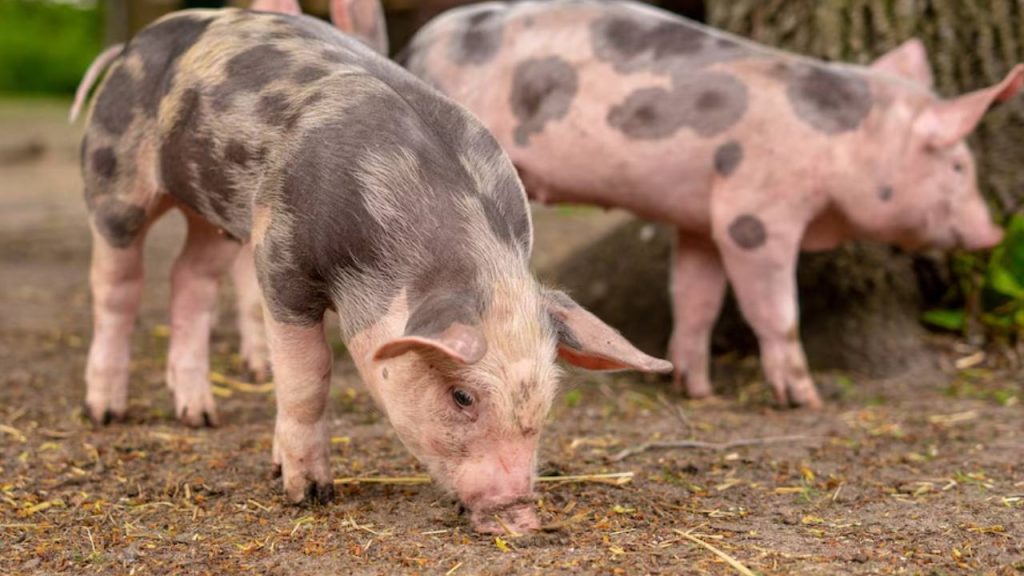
pixel 256 371
pixel 103 416
pixel 307 492
pixel 692 388
pixel 319 494
pixel 805 397
pixel 199 417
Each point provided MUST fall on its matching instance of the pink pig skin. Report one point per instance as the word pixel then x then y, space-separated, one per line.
pixel 753 154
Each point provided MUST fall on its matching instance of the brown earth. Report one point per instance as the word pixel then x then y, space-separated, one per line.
pixel 924 474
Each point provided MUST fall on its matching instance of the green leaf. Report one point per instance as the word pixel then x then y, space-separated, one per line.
pixel 1002 281
pixel 947 319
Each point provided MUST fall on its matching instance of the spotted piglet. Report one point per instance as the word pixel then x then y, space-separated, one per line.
pixel 753 154
pixel 361 190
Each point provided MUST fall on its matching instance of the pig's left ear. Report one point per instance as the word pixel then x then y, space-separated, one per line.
pixel 908 60
pixel 281 6
pixel 363 19
pixel 585 341
pixel 460 342
pixel 945 123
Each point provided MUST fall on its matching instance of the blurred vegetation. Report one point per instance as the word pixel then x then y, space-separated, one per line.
pixel 45 46
pixel 993 288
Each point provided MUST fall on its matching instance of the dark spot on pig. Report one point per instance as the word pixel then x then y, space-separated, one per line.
pixel 236 153
pixel 566 337
pixel 542 91
pixel 384 373
pixel 655 113
pixel 312 99
pixel 250 71
pixel 748 232
pixel 275 109
pixel 160 46
pixel 119 222
pixel 104 162
pixel 114 104
pixel 310 73
pixel 506 214
pixel 829 100
pixel 885 193
pixel 728 157
pixel 478 42
pixel 193 173
pixel 623 39
pixel 793 334
pixel 439 309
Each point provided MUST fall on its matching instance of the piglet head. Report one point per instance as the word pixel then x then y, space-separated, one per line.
pixel 934 199
pixel 470 400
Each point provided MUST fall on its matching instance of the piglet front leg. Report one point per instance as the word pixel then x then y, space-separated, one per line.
pixel 760 255
pixel 302 372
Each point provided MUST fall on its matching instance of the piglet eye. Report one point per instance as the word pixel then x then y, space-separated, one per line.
pixel 958 167
pixel 462 398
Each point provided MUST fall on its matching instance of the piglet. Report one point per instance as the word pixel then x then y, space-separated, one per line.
pixel 752 153
pixel 360 190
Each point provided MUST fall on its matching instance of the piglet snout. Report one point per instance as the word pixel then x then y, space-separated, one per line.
pixel 519 517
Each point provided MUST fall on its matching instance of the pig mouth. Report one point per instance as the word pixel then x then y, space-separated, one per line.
pixel 516 515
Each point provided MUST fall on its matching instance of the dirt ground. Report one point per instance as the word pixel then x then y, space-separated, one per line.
pixel 921 475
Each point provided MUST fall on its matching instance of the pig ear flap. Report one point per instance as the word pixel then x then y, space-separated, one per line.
pixel 463 344
pixel 587 342
pixel 363 19
pixel 908 60
pixel 281 6
pixel 945 123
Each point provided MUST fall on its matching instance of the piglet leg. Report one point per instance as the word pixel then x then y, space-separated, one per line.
pixel 195 279
pixel 302 373
pixel 116 280
pixel 697 290
pixel 760 256
pixel 254 352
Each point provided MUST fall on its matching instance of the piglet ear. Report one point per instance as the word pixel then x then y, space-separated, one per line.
pixel 363 19
pixel 945 123
pixel 463 344
pixel 282 6
pixel 587 342
pixel 908 60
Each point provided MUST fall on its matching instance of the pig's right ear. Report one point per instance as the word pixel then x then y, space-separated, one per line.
pixel 908 60
pixel 460 342
pixel 281 6
pixel 587 342
pixel 363 19
pixel 945 123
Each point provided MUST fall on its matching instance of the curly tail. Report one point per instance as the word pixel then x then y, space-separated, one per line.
pixel 91 75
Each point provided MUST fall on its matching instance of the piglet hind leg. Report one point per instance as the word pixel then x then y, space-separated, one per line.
pixel 302 367
pixel 697 289
pixel 115 277
pixel 760 256
pixel 253 340
pixel 195 280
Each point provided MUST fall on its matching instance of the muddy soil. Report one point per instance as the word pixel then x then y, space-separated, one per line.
pixel 924 474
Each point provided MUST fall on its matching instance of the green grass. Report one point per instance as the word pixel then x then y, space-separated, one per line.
pixel 45 47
